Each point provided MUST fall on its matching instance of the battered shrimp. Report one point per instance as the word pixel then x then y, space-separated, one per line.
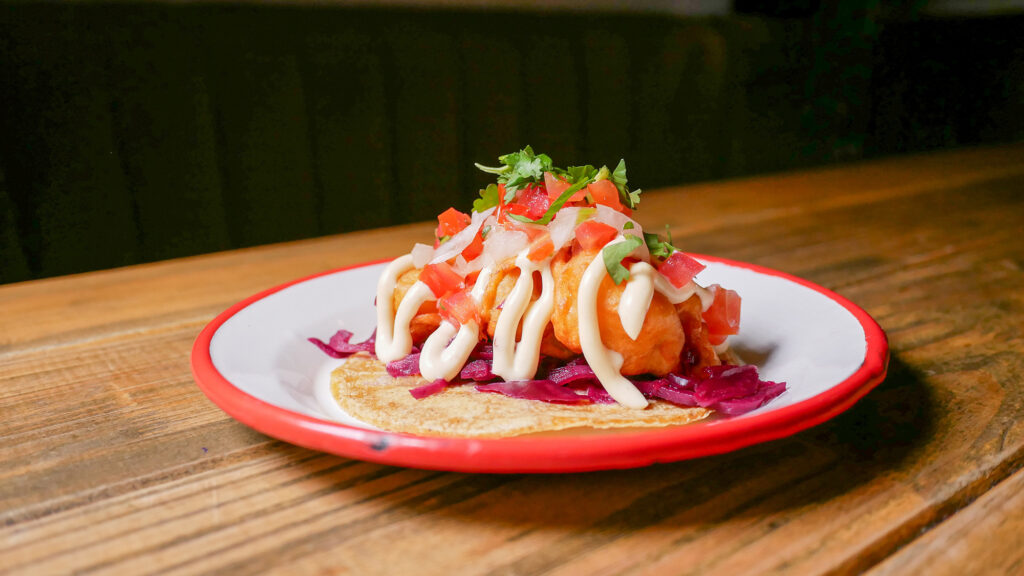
pixel 698 352
pixel 502 282
pixel 658 347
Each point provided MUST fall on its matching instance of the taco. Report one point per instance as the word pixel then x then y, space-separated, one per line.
pixel 546 307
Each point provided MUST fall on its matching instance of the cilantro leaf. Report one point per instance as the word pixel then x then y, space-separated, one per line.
pixel 520 169
pixel 658 247
pixel 618 177
pixel 488 198
pixel 615 254
pixel 576 173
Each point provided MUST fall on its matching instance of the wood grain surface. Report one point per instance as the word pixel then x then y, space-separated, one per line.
pixel 114 462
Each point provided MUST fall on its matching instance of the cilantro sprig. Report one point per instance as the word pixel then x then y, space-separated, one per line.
pixel 520 169
pixel 614 255
pixel 660 249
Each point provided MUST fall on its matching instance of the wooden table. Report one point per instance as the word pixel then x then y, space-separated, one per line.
pixel 114 462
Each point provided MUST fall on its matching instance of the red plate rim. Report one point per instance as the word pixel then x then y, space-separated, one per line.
pixel 542 454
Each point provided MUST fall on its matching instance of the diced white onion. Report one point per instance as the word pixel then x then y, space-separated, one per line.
pixel 563 227
pixel 502 244
pixel 421 255
pixel 618 220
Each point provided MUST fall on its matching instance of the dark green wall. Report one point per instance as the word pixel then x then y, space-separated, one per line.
pixel 138 132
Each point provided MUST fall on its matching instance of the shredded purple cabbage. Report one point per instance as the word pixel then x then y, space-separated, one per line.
pixel 339 346
pixel 543 390
pixel 421 392
pixel 478 371
pixel 408 366
pixel 730 390
pixel 575 370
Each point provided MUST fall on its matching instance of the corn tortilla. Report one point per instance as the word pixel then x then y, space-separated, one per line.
pixel 364 389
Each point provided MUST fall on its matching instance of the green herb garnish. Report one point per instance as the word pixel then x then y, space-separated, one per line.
pixel 488 198
pixel 659 248
pixel 614 254
pixel 519 169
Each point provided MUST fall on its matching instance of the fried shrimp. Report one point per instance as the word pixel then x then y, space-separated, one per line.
pixel 656 349
pixel 698 353
pixel 501 284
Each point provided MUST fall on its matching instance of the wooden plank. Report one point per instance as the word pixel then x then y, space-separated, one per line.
pixel 552 95
pixel 353 143
pixel 13 264
pixel 164 124
pixel 426 111
pixel 72 187
pixel 491 67
pixel 987 537
pixel 189 290
pixel 264 149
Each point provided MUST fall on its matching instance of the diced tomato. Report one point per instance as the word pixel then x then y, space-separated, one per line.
pixel 555 186
pixel 501 203
pixel 723 317
pixel 451 222
pixel 458 307
pixel 541 247
pixel 475 248
pixel 441 279
pixel 532 202
pixel 593 235
pixel 680 269
pixel 605 192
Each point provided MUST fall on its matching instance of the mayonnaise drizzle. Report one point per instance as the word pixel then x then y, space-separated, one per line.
pixel 639 291
pixel 446 350
pixel 604 362
pixel 518 361
pixel 394 341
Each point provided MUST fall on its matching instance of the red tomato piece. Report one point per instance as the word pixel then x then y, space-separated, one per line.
pixel 605 192
pixel 680 269
pixel 533 202
pixel 451 222
pixel 458 307
pixel 723 317
pixel 541 247
pixel 441 279
pixel 475 248
pixel 555 186
pixel 593 235
pixel 502 208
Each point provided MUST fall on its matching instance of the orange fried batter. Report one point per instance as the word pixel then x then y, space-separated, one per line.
pixel 501 284
pixel 698 352
pixel 658 347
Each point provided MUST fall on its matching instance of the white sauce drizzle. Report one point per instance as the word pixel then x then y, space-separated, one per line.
pixel 639 291
pixel 604 362
pixel 518 361
pixel 446 350
pixel 394 340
